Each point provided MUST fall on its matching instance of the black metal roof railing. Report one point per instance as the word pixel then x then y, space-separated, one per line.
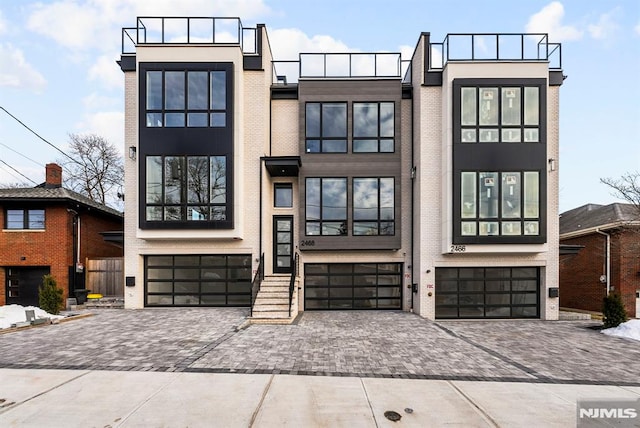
pixel 189 30
pixel 342 65
pixel 495 47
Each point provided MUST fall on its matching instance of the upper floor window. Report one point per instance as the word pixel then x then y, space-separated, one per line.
pixel 24 219
pixel 178 98
pixel 326 128
pixel 500 203
pixel 494 114
pixel 373 206
pixel 186 188
pixel 373 127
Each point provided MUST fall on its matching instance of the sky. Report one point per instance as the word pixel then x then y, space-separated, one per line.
pixel 58 73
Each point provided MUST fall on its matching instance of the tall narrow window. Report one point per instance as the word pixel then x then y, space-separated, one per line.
pixel 326 206
pixel 373 206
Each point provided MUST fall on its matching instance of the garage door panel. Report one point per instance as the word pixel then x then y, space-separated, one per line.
pixel 353 286
pixel 498 311
pixel 198 280
pixel 388 303
pixel 505 292
pixel 340 292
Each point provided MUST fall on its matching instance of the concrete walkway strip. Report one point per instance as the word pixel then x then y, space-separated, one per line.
pixel 69 399
pixel 421 403
pixel 315 401
pixel 20 386
pixel 202 400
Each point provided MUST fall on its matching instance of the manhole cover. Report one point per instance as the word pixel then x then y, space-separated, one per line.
pixel 392 416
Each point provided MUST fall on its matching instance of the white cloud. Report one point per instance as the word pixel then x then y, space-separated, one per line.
pixel 3 24
pixel 107 124
pixel 95 102
pixel 549 20
pixel 106 71
pixel 637 29
pixel 605 27
pixel 286 43
pixel 92 24
pixel 16 72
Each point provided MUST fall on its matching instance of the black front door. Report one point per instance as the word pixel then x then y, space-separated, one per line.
pixel 22 285
pixel 282 244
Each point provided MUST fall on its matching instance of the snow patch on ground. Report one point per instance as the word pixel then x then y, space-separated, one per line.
pixel 629 329
pixel 12 314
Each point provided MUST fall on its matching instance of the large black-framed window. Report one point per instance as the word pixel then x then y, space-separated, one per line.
pixel 499 161
pixel 186 188
pixel 506 113
pixel 492 292
pixel 326 127
pixel 373 127
pixel 326 206
pixel 500 203
pixel 180 155
pixel 374 206
pixel 198 280
pixel 23 219
pixel 191 98
pixel 353 286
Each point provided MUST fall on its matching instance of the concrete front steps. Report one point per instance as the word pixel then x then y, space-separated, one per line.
pixel 272 301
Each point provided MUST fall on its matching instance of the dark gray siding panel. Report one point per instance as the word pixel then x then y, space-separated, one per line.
pixel 350 165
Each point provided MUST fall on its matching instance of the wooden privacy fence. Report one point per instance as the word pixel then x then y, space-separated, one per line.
pixel 104 276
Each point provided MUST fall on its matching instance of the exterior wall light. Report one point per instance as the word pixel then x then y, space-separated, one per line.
pixel 552 164
pixel 133 152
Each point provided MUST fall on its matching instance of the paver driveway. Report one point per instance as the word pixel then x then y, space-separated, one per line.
pixel 351 343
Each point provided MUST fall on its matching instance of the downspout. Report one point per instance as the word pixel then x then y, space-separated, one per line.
pixel 260 218
pixel 608 259
pixel 78 233
pixel 412 208
pixel 75 240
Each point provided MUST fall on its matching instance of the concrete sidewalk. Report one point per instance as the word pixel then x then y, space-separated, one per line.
pixel 85 398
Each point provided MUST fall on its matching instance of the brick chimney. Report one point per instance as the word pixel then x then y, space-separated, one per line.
pixel 54 176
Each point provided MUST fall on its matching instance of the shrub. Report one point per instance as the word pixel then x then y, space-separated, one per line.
pixel 49 295
pixel 613 311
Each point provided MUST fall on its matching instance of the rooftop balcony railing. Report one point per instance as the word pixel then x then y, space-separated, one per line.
pixel 496 47
pixel 189 30
pixel 347 65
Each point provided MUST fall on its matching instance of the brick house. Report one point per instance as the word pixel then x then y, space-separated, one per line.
pixel 50 230
pixel 608 260
pixel 346 180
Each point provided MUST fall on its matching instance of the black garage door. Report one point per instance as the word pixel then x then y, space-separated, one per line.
pixel 352 286
pixel 198 280
pixel 504 292
pixel 22 284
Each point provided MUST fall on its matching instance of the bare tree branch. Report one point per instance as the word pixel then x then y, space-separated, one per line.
pixel 626 187
pixel 97 170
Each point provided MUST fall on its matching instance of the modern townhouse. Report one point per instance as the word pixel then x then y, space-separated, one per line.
pixel 340 181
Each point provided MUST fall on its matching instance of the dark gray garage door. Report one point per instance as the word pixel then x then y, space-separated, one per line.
pixel 352 286
pixel 198 280
pixel 497 292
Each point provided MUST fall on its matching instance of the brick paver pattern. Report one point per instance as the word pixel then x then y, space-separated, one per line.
pixel 340 343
